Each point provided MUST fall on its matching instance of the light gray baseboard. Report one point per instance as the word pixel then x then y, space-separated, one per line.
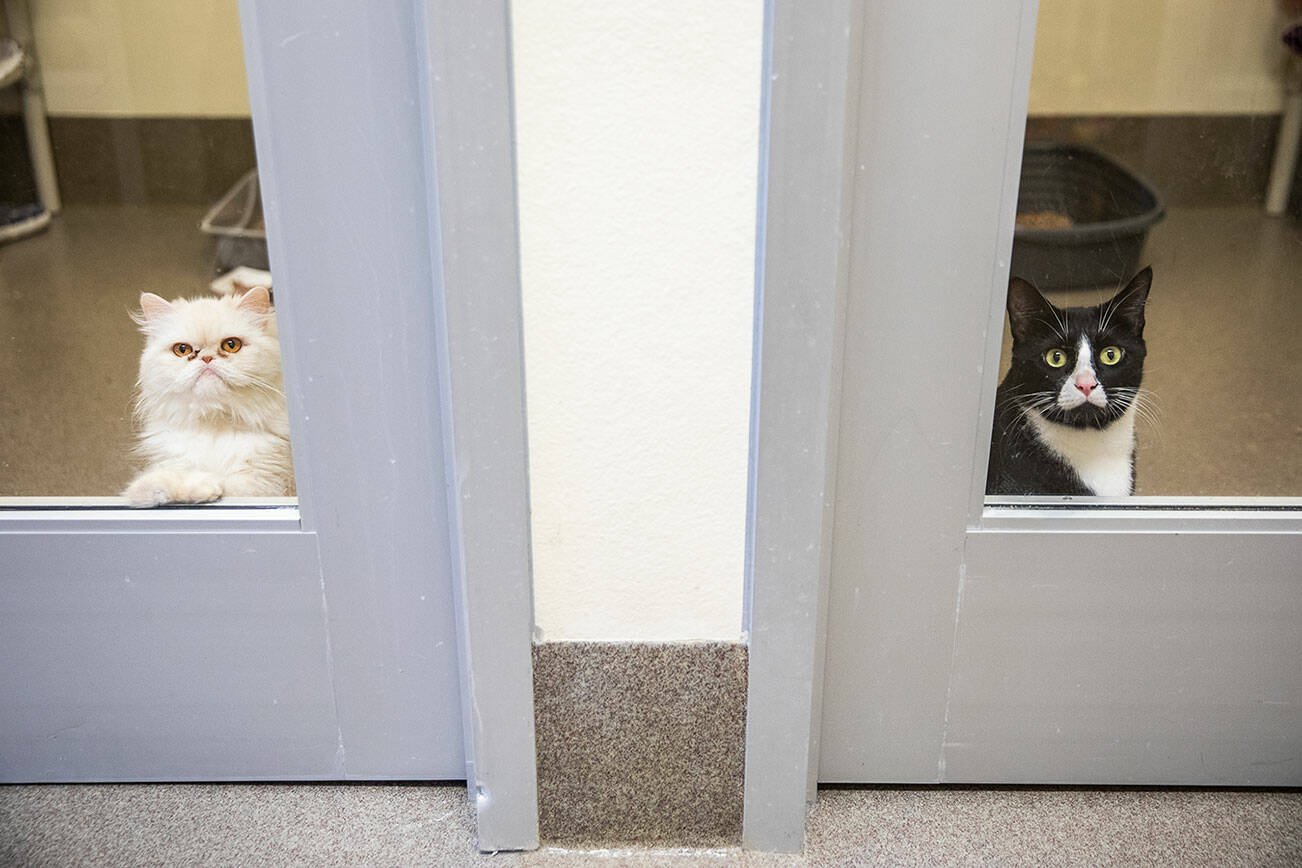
pixel 1196 160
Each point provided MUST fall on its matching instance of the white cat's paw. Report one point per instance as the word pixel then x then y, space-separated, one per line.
pixel 157 487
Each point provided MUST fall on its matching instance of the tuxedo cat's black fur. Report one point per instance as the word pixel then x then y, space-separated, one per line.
pixel 1064 415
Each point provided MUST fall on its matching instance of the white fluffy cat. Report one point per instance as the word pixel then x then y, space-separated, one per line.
pixel 210 407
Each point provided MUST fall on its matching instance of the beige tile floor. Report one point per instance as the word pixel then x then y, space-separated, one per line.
pixel 68 348
pixel 380 825
pixel 1225 337
pixel 1224 334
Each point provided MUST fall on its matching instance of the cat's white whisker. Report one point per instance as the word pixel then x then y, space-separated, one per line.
pixel 1055 326
pixel 1148 408
pixel 248 379
pixel 1064 329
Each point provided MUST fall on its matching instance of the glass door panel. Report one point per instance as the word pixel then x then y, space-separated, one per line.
pixel 310 636
pixel 950 637
pixel 1150 141
pixel 138 338
pixel 975 642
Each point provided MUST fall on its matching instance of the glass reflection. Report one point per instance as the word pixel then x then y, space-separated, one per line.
pixel 138 342
pixel 1150 142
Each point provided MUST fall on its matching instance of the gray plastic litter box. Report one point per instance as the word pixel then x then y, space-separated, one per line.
pixel 1082 218
pixel 236 222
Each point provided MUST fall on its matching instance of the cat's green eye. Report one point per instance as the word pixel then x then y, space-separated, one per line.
pixel 1110 355
pixel 232 345
pixel 1055 358
pixel 182 350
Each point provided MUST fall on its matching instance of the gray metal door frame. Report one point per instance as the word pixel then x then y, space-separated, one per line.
pixel 802 258
pixel 365 631
pixel 911 631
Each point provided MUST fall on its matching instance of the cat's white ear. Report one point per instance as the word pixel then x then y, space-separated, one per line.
pixel 152 307
pixel 256 300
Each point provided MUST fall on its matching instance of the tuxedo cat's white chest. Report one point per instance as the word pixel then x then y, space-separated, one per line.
pixel 1102 458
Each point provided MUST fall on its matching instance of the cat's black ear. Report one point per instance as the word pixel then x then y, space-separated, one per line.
pixel 1127 306
pixel 1027 309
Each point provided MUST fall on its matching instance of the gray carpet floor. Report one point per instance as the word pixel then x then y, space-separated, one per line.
pixel 246 824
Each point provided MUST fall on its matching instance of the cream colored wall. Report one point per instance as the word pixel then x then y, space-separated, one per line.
pixel 1156 57
pixel 141 57
pixel 637 134
pixel 183 57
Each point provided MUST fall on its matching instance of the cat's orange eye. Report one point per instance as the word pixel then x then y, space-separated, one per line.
pixel 1055 358
pixel 232 345
pixel 1110 355
pixel 182 350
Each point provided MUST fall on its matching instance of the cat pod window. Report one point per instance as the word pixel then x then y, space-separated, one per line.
pixel 1164 166
pixel 92 403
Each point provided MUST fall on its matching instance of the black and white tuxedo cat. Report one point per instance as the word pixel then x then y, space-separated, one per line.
pixel 1065 413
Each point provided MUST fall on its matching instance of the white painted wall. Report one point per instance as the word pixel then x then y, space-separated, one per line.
pixel 637 135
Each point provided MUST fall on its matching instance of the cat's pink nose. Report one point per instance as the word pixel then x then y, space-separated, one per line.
pixel 1086 383
pixel 210 358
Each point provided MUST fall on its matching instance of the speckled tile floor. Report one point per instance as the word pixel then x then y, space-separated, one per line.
pixel 68 348
pixel 1223 333
pixel 378 825
pixel 1223 355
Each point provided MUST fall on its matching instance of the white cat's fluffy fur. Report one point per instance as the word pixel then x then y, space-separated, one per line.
pixel 212 422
